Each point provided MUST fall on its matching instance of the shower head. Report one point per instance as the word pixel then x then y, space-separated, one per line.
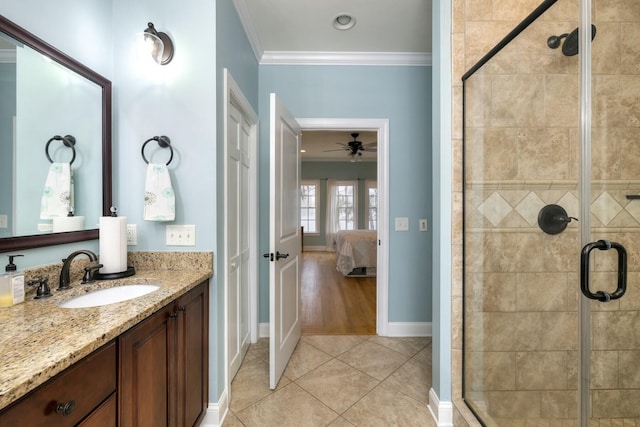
pixel 570 45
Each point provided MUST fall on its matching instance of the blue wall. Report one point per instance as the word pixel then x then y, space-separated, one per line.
pixel 322 171
pixel 401 94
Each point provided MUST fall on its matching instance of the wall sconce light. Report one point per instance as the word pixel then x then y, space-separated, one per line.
pixel 155 43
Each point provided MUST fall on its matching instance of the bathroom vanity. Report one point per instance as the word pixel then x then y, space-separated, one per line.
pixel 141 359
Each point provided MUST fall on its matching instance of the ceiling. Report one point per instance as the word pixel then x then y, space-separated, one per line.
pixel 389 30
pixel 386 32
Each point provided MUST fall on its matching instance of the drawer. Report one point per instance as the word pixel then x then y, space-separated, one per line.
pixel 88 383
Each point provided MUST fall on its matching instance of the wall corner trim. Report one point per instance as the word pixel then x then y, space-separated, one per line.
pixel 216 412
pixel 442 412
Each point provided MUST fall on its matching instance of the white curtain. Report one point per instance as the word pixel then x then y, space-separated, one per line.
pixel 332 225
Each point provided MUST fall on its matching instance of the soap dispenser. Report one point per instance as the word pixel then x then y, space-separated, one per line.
pixel 11 284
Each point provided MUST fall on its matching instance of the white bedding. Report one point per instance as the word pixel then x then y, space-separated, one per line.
pixel 356 249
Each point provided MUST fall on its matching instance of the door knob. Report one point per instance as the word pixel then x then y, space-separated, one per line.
pixel 280 256
pixel 269 255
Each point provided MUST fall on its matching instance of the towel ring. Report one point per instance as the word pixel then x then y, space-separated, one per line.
pixel 163 141
pixel 67 140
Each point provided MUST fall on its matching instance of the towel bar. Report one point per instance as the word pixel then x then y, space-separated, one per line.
pixel 163 141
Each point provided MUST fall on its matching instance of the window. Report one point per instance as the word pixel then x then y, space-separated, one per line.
pixel 371 187
pixel 346 202
pixel 309 205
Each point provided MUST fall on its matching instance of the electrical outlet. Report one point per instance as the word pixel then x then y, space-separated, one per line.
pixel 132 235
pixel 181 235
pixel 422 224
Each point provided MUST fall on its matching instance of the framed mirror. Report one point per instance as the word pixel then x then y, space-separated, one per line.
pixel 65 98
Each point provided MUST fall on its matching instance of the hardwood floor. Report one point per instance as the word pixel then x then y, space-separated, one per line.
pixel 332 303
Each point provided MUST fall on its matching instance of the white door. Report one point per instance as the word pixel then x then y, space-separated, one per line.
pixel 284 239
pixel 237 248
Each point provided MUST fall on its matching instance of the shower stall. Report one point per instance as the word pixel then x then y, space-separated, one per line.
pixel 551 206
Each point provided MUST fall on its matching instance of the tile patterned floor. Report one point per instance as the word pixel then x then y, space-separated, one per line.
pixel 336 380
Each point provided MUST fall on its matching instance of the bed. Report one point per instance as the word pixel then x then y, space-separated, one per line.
pixel 356 252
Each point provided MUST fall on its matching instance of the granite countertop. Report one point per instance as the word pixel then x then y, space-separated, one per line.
pixel 40 339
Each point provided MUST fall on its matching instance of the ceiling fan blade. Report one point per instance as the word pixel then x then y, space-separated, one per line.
pixel 370 144
pixel 338 149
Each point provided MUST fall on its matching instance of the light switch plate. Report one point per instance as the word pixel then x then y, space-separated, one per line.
pixel 3 221
pixel 181 235
pixel 402 224
pixel 132 235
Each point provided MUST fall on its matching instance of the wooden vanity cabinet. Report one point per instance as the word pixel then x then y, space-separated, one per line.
pixel 87 388
pixel 163 375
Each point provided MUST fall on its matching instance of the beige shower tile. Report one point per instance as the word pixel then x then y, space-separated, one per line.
pixel 566 10
pixel 513 331
pixel 477 101
pixel 631 299
pixel 457 15
pixel 615 330
pixel 559 331
pixel 541 370
pixel 509 10
pixel 630 152
pixel 489 370
pixel 478 10
pixel 560 406
pixel 615 101
pixel 334 344
pixel 629 374
pixel 515 404
pixel 544 154
pixel 534 56
pixel 337 385
pixel 607 48
pixel 616 403
pixel 456 323
pixel 290 406
pixel 542 292
pixel 482 36
pixel 304 358
pixel 412 379
pixel 384 406
pixel 409 346
pixel 456 374
pixel 616 10
pixel 494 154
pixel 373 359
pixel 492 292
pixel 517 100
pixel 630 56
pixel 604 369
pixel 561 100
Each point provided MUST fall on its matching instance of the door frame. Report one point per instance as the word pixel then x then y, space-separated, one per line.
pixel 382 127
pixel 233 94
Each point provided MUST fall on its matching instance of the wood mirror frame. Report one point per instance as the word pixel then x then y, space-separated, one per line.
pixel 41 240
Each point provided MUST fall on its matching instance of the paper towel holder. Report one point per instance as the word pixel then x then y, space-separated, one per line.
pixel 130 271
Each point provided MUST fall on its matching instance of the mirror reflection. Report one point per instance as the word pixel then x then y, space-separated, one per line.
pixel 39 100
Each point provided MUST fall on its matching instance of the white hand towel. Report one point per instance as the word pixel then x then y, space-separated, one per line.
pixel 159 198
pixel 57 197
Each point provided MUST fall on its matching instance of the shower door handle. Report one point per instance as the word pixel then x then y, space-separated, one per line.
pixel 603 245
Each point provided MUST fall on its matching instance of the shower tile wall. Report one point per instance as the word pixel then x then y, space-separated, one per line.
pixel 522 294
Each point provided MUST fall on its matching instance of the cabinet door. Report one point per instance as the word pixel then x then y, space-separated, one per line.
pixel 192 353
pixel 147 360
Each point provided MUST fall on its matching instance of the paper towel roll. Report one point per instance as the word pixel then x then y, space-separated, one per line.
pixel 113 244
pixel 68 223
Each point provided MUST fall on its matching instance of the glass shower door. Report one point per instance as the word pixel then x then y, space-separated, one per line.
pixel 613 331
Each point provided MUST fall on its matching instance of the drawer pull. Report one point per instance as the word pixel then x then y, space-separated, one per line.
pixel 65 409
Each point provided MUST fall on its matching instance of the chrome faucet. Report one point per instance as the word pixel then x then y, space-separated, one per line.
pixel 88 271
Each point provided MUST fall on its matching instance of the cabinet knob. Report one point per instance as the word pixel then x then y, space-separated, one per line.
pixel 65 409
pixel 174 314
pixel 182 308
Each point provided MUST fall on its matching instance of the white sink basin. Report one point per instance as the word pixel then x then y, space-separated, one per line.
pixel 109 296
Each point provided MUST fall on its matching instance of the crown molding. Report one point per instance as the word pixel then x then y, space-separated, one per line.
pixel 346 58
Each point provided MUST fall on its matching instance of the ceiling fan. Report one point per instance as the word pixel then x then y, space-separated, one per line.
pixel 355 148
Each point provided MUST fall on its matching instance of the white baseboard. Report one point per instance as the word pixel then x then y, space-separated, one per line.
pixel 216 412
pixel 442 411
pixel 263 330
pixel 410 329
